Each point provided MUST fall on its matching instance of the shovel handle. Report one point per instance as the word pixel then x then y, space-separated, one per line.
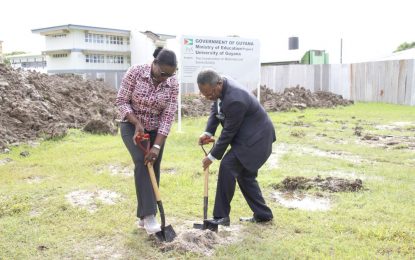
pixel 153 181
pixel 157 194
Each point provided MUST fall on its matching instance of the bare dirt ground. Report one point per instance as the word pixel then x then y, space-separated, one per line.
pixel 90 200
pixel 291 98
pixel 332 184
pixel 203 242
pixel 293 192
pixel 35 105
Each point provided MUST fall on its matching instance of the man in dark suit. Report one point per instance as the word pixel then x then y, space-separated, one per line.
pixel 247 128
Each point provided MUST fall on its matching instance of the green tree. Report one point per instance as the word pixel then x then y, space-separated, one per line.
pixel 405 46
pixel 6 59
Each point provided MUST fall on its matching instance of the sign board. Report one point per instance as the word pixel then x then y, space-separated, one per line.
pixel 236 57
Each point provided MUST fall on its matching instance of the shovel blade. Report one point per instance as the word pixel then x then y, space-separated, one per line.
pixel 206 225
pixel 167 234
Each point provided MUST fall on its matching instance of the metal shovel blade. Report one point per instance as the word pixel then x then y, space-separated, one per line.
pixel 206 225
pixel 166 234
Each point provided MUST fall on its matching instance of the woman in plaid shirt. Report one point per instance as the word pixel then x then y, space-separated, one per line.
pixel 147 102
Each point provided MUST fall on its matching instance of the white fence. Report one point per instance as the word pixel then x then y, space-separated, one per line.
pixel 382 81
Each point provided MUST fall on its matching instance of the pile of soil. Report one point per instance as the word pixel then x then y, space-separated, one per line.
pixel 35 105
pixel 332 184
pixel 295 97
pixel 194 105
pixel 300 98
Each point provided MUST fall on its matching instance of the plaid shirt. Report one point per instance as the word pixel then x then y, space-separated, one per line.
pixel 154 106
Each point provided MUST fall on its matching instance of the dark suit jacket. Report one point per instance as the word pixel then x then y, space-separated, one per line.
pixel 246 126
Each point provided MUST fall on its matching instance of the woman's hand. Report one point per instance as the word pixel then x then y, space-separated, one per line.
pixel 139 130
pixel 152 156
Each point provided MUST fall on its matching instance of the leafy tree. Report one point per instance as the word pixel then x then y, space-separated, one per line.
pixel 6 59
pixel 405 46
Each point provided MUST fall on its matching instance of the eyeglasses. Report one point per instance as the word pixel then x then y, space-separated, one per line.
pixel 165 74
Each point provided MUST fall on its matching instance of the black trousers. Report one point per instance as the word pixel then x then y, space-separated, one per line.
pixel 146 200
pixel 231 171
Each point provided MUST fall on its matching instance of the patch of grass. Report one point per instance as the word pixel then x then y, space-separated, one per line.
pixel 37 222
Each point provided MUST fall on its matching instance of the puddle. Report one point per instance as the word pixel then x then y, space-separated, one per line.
pixel 351 175
pixel 277 152
pixel 301 201
pixel 89 200
pixel 331 154
pixel 332 184
pixel 202 242
pixel 282 148
pixel 395 126
pixel 388 141
pixel 5 161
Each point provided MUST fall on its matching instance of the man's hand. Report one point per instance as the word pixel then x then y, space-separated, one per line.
pixel 152 156
pixel 205 139
pixel 206 163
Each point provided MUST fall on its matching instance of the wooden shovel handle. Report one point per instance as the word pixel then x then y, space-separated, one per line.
pixel 153 181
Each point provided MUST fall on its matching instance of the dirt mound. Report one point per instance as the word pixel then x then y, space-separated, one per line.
pixel 300 98
pixel 295 97
pixel 194 105
pixel 331 184
pixel 34 105
pixel 202 242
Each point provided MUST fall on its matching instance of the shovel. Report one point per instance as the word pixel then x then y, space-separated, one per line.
pixel 167 233
pixel 206 224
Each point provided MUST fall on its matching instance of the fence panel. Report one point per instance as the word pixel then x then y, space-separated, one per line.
pixel 381 81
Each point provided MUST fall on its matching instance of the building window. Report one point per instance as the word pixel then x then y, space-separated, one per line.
pixel 111 39
pixel 60 55
pixel 94 58
pixel 118 59
pixel 94 38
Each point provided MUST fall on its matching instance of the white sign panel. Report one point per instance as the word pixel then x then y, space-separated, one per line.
pixel 236 57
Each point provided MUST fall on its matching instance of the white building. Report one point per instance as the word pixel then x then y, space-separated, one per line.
pixel 36 62
pixel 97 53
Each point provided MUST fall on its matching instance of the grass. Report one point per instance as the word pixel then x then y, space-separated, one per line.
pixel 37 221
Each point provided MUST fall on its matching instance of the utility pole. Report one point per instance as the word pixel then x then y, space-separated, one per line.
pixel 341 50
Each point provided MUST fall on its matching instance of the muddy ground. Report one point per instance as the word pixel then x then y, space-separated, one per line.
pixel 35 105
pixel 332 184
pixel 292 98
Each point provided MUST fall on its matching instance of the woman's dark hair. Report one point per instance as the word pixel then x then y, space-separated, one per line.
pixel 165 57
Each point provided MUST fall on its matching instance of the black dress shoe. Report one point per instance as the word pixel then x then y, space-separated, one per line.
pixel 220 221
pixel 254 220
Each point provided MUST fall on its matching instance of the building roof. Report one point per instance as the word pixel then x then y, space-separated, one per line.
pixel 158 36
pixel 67 27
pixel 25 55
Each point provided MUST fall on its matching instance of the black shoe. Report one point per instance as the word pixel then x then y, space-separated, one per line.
pixel 220 221
pixel 255 220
